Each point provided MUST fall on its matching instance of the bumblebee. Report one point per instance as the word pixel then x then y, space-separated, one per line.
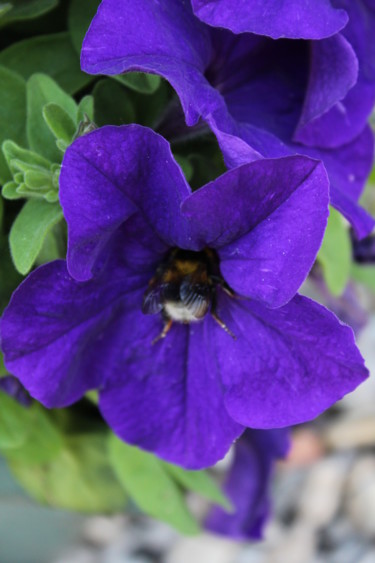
pixel 184 289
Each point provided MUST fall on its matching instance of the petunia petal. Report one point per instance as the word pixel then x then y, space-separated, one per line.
pixel 333 72
pixel 347 166
pixel 158 37
pixel 106 177
pixel 268 241
pixel 59 336
pixel 287 365
pixel 168 398
pixel 296 19
pixel 248 484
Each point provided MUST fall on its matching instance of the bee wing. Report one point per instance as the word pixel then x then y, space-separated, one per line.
pixel 153 300
pixel 195 297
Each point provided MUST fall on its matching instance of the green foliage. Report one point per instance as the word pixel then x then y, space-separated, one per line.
pixel 14 423
pixel 50 54
pixel 80 15
pixel 364 274
pixel 19 10
pixel 9 278
pixel 186 166
pixel 12 113
pixel 199 482
pixel 42 90
pixel 35 220
pixel 112 104
pixel 151 487
pixel 33 175
pixel 53 121
pixel 3 370
pixel 335 254
pixel 59 122
pixel 85 109
pixel 43 440
pixel 78 477
pixel 140 82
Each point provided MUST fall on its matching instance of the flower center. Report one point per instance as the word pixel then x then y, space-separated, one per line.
pixel 184 288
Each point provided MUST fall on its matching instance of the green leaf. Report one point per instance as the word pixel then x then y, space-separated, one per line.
pixel 86 108
pixel 186 166
pixel 1 214
pixel 44 441
pixel 51 54
pixel 3 370
pixel 42 90
pixel 78 478
pixel 18 10
pixel 81 12
pixel 50 249
pixel 4 8
pixel 9 277
pixel 112 105
pixel 12 114
pixel 29 230
pixel 335 254
pixel 22 159
pixel 139 81
pixel 14 423
pixel 147 482
pixel 199 482
pixel 364 274
pixel 59 122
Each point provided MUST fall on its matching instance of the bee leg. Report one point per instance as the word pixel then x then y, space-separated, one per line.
pixel 219 282
pixel 164 332
pixel 223 325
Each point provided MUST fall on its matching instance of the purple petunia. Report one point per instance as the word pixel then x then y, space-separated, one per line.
pixel 248 484
pixel 180 307
pixel 261 97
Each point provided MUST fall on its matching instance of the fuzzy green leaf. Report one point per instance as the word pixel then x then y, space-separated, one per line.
pixel 81 12
pixel 44 441
pixel 86 108
pixel 78 478
pixel 12 114
pixel 335 254
pixel 199 482
pixel 59 122
pixel 140 82
pixel 112 105
pixel 14 423
pixel 23 159
pixel 51 54
pixel 364 274
pixel 29 230
pixel 19 10
pixel 3 370
pixel 147 482
pixel 42 90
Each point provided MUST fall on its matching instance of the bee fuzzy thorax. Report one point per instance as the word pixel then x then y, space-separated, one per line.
pixel 184 288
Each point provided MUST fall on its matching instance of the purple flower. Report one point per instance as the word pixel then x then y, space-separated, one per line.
pixel 248 484
pixel 261 98
pixel 230 255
